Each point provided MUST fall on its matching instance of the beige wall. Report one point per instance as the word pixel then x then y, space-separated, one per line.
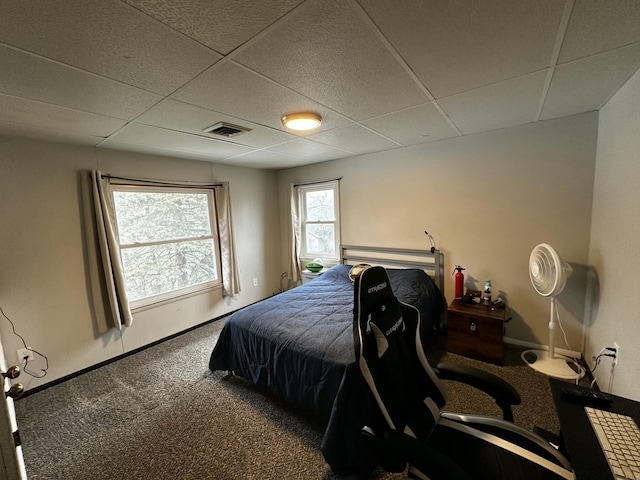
pixel 43 273
pixel 487 199
pixel 615 246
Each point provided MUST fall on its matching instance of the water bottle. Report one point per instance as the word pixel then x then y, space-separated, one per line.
pixel 486 294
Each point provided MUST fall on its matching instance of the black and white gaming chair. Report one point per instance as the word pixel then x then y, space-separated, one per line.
pixel 408 427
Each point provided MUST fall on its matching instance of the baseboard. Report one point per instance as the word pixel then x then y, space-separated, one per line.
pixel 65 378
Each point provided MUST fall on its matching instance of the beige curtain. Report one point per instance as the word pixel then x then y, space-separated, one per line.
pixel 230 277
pixel 294 239
pixel 106 274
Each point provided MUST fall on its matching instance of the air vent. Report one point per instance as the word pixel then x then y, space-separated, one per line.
pixel 228 130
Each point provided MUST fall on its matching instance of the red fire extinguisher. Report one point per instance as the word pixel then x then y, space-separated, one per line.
pixel 459 278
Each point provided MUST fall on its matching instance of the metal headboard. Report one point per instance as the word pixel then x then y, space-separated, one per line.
pixel 431 263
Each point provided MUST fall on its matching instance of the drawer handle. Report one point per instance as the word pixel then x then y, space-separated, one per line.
pixel 473 325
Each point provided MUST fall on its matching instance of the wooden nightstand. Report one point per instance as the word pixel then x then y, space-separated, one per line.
pixel 476 331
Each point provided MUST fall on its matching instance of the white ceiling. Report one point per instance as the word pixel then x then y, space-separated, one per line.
pixel 150 75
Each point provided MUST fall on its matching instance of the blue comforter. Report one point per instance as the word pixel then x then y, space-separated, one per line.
pixel 299 345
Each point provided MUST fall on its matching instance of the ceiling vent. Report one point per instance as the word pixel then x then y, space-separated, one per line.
pixel 224 129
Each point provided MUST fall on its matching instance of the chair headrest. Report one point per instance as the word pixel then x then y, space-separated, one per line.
pixel 377 307
pixel 373 291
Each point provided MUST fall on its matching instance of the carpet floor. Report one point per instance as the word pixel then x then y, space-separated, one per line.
pixel 161 414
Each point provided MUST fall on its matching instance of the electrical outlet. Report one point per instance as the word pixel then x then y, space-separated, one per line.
pixel 616 360
pixel 24 353
pixel 255 282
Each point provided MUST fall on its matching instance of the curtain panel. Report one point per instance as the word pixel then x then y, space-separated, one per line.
pixel 229 264
pixel 105 263
pixel 106 273
pixel 295 273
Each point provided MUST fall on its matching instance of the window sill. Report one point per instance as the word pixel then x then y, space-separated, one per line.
pixel 167 301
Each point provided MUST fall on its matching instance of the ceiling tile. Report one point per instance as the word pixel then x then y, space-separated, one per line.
pixel 236 91
pixel 354 138
pixel 157 150
pixel 264 159
pixel 20 111
pixel 218 24
pixel 56 136
pixel 108 38
pixel 456 46
pixel 185 117
pixel 512 102
pixel 146 135
pixel 26 75
pixel 600 25
pixel 587 84
pixel 326 51
pixel 310 150
pixel 414 125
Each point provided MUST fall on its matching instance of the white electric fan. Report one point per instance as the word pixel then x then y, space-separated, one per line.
pixel 549 273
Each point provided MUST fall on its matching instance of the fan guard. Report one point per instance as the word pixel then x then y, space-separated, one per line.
pixel 548 274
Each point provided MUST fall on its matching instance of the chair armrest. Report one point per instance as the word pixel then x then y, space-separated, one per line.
pixel 501 391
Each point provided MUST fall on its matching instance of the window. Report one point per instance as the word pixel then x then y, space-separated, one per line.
pixel 168 241
pixel 319 221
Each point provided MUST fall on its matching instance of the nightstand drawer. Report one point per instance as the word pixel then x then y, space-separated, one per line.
pixel 476 332
pixel 307 276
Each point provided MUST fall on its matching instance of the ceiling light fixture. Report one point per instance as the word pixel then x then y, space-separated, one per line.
pixel 302 121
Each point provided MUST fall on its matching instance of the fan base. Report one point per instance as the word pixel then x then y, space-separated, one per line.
pixel 559 366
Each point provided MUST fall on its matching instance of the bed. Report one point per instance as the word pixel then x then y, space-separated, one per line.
pixel 299 344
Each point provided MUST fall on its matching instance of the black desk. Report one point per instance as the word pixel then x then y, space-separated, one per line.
pixel 579 442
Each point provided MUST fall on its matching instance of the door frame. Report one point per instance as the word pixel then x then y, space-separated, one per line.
pixel 11 460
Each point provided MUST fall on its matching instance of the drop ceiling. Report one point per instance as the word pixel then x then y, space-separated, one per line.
pixel 151 75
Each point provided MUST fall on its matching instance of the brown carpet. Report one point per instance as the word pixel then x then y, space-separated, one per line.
pixel 536 410
pixel 161 414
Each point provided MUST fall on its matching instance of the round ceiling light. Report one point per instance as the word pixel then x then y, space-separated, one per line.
pixel 302 121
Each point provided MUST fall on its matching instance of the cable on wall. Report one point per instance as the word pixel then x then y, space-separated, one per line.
pixel 26 360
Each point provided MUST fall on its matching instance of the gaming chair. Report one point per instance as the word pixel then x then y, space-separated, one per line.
pixel 408 427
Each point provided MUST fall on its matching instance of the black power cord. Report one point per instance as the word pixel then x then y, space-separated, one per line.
pixel 599 356
pixel 26 359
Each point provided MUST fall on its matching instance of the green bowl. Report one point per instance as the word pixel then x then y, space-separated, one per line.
pixel 314 267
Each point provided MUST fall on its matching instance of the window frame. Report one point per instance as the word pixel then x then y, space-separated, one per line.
pixel 172 295
pixel 332 185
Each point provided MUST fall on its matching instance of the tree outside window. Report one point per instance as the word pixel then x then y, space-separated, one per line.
pixel 320 227
pixel 168 241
